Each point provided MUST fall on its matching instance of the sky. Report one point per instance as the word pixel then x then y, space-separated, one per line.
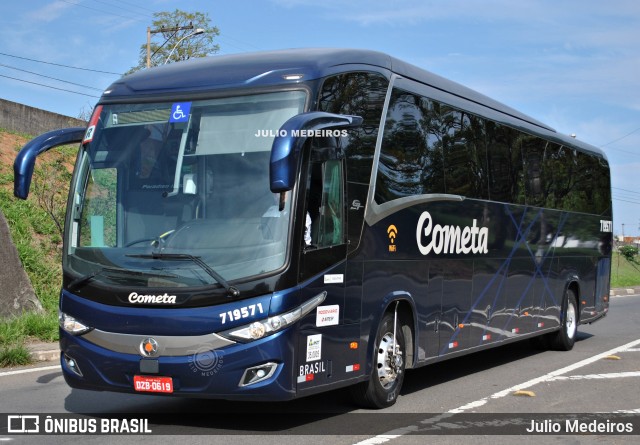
pixel 572 64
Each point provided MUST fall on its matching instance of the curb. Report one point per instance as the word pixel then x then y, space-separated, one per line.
pixel 44 352
pixel 624 291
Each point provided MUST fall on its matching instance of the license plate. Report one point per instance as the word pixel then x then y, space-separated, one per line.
pixel 145 383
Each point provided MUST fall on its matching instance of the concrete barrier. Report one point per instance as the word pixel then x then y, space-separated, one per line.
pixel 22 118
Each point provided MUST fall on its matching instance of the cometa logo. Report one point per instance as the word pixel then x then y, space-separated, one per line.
pixel 134 297
pixel 450 239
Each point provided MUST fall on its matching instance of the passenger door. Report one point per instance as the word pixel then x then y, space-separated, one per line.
pixel 323 345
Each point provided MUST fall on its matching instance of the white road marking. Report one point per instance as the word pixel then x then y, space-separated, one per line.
pixel 379 439
pixel 558 374
pixel 612 375
pixel 544 378
pixel 28 370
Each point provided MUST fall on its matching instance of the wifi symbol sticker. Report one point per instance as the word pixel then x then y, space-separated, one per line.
pixel 392 231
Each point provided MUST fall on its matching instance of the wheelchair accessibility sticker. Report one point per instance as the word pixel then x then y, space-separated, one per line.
pixel 180 112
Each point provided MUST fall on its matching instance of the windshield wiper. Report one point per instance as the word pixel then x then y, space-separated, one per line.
pixel 232 291
pixel 78 282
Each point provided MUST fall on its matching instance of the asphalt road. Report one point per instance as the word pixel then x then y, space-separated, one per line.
pixel 450 399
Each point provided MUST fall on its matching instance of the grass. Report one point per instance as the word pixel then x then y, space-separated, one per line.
pixel 30 325
pixel 15 332
pixel 623 272
pixel 39 245
pixel 14 355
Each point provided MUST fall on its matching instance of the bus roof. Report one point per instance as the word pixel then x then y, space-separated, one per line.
pixel 259 69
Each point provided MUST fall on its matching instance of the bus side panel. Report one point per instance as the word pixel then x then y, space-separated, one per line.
pixel 603 281
pixel 549 296
pixel 430 313
pixel 584 256
pixel 489 301
pixel 467 300
pixel 456 304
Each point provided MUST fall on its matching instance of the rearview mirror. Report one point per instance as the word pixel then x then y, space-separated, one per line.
pixel 26 159
pixel 290 138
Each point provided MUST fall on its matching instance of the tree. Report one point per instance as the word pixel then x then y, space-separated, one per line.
pixel 85 112
pixel 171 30
pixel 629 252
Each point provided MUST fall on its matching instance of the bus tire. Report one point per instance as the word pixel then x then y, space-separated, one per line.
pixel 565 338
pixel 387 373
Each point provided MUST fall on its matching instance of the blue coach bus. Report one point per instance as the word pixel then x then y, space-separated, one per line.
pixel 272 225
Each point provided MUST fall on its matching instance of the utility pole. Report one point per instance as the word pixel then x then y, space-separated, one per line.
pixel 150 31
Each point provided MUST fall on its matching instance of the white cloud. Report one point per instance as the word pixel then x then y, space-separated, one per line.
pixel 49 12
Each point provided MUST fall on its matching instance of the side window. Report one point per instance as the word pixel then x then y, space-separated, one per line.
pixel 411 159
pixel 504 163
pixel 533 154
pixel 576 181
pixel 584 195
pixel 361 94
pixel 325 205
pixel 98 221
pixel 557 175
pixel 430 147
pixel 330 227
pixel 457 153
pixel 602 184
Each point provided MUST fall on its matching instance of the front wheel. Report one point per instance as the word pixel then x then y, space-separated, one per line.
pixel 565 338
pixel 387 374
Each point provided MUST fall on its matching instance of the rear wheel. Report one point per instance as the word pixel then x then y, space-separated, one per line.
pixel 565 338
pixel 387 374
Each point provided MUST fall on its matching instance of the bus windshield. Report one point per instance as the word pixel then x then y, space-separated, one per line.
pixel 185 179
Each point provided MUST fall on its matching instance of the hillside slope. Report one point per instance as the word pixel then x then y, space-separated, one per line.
pixel 36 224
pixel 10 144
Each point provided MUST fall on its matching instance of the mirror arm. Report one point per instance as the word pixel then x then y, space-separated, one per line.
pixel 288 143
pixel 26 159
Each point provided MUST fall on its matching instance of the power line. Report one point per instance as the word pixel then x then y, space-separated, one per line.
pixel 620 138
pixel 624 151
pixel 128 10
pixel 58 64
pixel 624 200
pixel 53 78
pixel 131 4
pixel 48 86
pixel 625 190
pixel 101 10
pixel 220 35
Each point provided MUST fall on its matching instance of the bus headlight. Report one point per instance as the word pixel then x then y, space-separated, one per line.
pixel 271 325
pixel 256 330
pixel 71 325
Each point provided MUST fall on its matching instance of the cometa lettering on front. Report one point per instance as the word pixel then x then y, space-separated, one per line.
pixel 450 239
pixel 134 297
